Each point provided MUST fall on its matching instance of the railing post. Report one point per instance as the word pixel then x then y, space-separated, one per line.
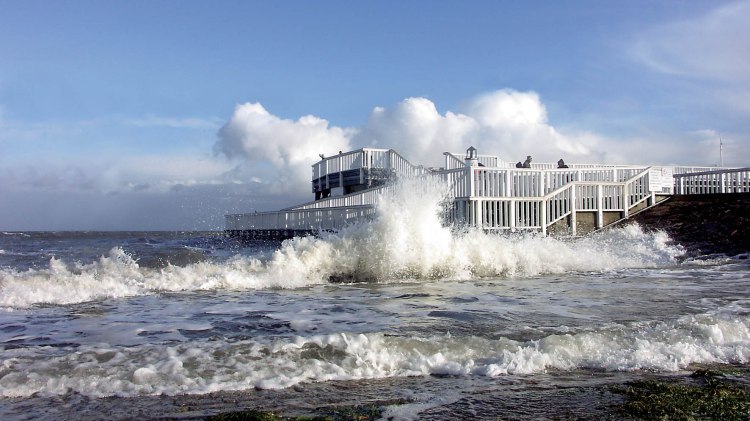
pixel 625 200
pixel 480 213
pixel 470 184
pixel 508 183
pixel 599 207
pixel 543 216
pixel 540 185
pixel 512 219
pixel 573 210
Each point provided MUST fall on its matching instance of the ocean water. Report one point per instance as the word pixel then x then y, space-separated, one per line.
pixel 445 323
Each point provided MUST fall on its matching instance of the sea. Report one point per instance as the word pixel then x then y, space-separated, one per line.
pixel 401 312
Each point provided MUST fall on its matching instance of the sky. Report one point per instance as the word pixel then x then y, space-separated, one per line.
pixel 167 115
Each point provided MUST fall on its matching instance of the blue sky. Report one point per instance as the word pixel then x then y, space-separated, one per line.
pixel 168 114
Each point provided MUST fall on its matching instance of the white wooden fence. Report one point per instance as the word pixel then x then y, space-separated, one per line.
pixel 362 198
pixel 366 158
pixel 502 198
pixel 717 181
pixel 299 219
pixel 511 199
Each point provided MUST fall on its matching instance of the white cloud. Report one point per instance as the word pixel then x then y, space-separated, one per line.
pixel 160 173
pixel 710 52
pixel 417 130
pixel 279 151
pixel 506 122
pixel 714 46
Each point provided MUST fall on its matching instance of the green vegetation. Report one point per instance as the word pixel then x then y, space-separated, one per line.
pixel 707 394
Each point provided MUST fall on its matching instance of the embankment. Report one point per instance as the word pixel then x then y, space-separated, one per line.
pixel 704 224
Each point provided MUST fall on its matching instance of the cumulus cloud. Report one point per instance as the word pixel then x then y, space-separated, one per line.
pixel 274 154
pixel 416 129
pixel 506 122
pixel 279 151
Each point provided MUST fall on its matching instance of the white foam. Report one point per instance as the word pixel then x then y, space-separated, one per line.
pixel 207 366
pixel 405 241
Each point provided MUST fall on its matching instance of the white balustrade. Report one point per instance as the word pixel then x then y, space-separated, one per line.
pixel 498 196
pixel 716 181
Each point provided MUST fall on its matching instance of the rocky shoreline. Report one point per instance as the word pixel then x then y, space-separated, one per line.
pixel 704 224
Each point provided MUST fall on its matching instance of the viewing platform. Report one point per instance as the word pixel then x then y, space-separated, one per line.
pixel 488 193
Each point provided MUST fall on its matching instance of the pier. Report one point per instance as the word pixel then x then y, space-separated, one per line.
pixel 488 193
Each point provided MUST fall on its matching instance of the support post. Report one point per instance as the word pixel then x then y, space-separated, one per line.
pixel 573 210
pixel 508 183
pixel 599 207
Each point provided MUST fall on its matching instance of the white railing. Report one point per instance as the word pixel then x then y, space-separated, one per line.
pixel 403 167
pixel 540 212
pixel 365 197
pixel 694 169
pixel 452 161
pixel 458 181
pixel 525 182
pixel 498 196
pixel 716 181
pixel 342 162
pixel 299 220
pixel 366 158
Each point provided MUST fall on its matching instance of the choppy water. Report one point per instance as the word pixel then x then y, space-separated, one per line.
pixel 86 316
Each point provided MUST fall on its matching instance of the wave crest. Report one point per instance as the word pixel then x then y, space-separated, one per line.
pixel 406 240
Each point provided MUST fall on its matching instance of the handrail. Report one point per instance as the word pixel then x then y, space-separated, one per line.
pixel 350 200
pixel 504 197
pixel 452 161
pixel 365 158
pixel 735 180
pixel 722 171
pixel 300 219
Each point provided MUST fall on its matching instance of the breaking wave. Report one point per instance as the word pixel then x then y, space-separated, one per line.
pixel 721 336
pixel 406 240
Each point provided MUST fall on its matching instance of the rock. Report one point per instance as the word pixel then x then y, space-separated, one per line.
pixel 703 224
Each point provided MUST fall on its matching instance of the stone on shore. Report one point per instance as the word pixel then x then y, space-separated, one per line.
pixel 703 224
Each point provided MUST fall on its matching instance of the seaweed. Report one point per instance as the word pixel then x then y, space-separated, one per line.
pixel 706 394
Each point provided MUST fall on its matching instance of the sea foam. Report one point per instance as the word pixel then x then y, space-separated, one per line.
pixel 274 363
pixel 405 240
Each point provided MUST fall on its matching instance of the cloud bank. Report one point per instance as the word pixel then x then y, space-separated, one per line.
pixel 261 161
pixel 278 152
pixel 275 154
